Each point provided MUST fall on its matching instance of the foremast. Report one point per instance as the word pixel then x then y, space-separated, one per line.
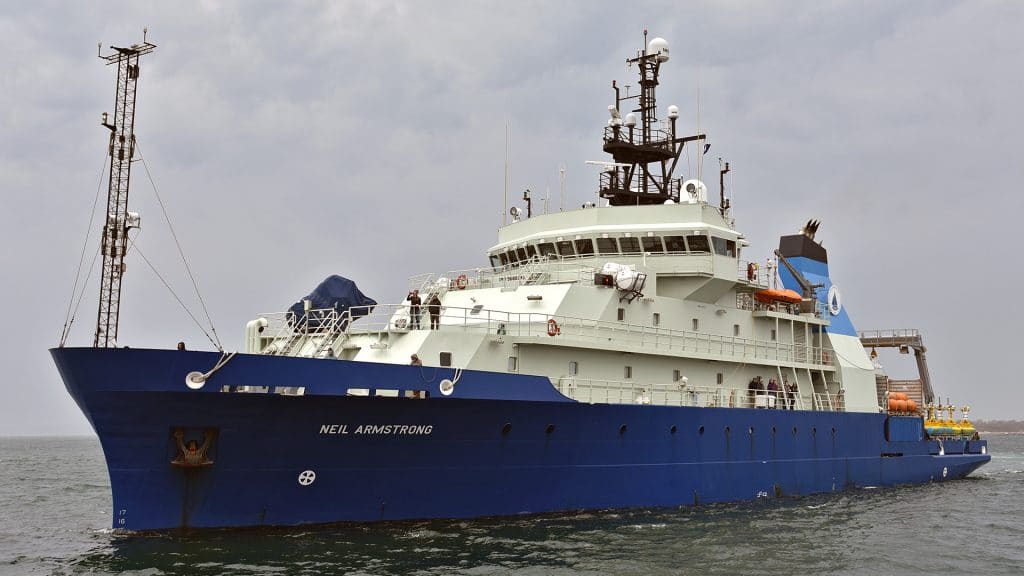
pixel 118 219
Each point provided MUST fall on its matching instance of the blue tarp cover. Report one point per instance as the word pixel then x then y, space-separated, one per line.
pixel 336 293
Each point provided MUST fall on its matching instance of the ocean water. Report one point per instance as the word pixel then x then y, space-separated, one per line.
pixel 55 518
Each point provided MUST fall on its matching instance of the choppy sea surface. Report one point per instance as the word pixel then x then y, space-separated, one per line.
pixel 55 519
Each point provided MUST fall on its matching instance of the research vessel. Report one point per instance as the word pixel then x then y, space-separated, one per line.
pixel 628 353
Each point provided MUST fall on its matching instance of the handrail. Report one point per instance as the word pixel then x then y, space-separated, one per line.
pixel 387 318
pixel 754 272
pixel 554 271
pixel 659 138
pixel 827 402
pixel 597 391
pixel 892 334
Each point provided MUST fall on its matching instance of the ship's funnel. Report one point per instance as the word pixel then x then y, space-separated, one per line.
pixel 810 259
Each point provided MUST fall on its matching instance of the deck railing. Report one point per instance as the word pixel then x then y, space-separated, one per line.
pixel 673 394
pixel 284 332
pixel 537 271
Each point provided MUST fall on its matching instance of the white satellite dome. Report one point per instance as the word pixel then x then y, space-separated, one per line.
pixel 660 47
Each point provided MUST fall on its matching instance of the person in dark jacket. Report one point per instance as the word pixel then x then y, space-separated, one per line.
pixel 790 393
pixel 434 308
pixel 752 390
pixel 414 309
pixel 773 393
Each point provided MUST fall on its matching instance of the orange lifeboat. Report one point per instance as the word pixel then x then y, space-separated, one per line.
pixel 774 295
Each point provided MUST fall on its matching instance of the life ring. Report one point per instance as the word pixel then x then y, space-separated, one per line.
pixel 751 271
pixel 553 329
pixel 461 282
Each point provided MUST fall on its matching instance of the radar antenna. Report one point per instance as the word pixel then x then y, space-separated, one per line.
pixel 118 220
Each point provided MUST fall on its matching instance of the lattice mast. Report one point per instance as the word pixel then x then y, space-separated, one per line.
pixel 118 219
pixel 645 155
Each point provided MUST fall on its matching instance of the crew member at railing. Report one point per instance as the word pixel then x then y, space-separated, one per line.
pixel 434 308
pixel 773 393
pixel 755 389
pixel 791 390
pixel 414 309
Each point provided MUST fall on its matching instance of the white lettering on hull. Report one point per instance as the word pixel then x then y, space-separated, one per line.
pixel 379 429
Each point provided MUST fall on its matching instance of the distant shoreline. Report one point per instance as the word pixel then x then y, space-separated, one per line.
pixel 999 426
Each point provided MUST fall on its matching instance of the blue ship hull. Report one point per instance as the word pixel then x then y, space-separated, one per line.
pixel 501 444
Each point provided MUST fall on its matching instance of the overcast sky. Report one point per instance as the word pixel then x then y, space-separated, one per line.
pixel 295 140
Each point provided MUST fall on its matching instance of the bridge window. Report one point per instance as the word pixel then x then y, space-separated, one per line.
pixel 607 246
pixel 531 251
pixel 675 244
pixel 495 262
pixel 521 252
pixel 724 247
pixel 698 243
pixel 565 248
pixel 653 244
pixel 547 249
pixel 629 245
pixel 512 258
pixel 585 247
pixel 503 259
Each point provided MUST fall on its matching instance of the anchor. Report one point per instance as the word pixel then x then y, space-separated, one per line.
pixel 192 454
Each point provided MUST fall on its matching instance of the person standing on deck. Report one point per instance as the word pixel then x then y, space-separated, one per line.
pixel 414 309
pixel 773 393
pixel 434 308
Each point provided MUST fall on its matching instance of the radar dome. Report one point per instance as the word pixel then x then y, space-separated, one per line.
pixel 673 111
pixel 660 47
pixel 630 119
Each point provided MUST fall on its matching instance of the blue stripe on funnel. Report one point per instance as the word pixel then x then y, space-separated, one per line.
pixel 817 273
